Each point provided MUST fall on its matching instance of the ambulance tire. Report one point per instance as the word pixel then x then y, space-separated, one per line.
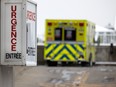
pixel 63 63
pixel 83 63
pixel 90 60
pixel 51 63
pixel 70 63
pixel 93 63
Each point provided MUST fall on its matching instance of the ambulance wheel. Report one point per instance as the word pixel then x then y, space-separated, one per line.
pixel 63 63
pixel 93 63
pixel 51 63
pixel 90 60
pixel 83 63
pixel 70 63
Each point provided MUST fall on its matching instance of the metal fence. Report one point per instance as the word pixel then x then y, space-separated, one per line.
pixel 107 38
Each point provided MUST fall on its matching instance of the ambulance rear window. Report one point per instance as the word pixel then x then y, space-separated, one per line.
pixel 70 34
pixel 58 34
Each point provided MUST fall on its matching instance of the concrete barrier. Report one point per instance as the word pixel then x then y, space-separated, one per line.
pixel 1 78
pixel 40 55
pixel 103 54
pixel 6 76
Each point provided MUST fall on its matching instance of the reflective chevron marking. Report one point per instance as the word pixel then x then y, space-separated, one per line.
pixel 81 46
pixel 64 56
pixel 58 56
pixel 58 48
pixel 64 51
pixel 49 49
pixel 75 48
pixel 48 45
pixel 69 51
pixel 53 49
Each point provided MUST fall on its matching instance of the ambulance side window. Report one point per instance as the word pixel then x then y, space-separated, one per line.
pixel 58 34
pixel 70 34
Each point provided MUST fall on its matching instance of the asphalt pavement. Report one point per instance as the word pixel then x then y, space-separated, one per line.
pixel 67 76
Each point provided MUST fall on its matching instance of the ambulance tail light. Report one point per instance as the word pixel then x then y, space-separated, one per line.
pixel 49 24
pixel 81 24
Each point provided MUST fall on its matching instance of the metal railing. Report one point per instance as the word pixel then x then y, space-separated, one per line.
pixel 107 39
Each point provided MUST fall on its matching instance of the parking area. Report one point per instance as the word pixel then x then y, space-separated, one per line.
pixel 71 76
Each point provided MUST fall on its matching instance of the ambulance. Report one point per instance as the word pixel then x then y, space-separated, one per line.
pixel 69 41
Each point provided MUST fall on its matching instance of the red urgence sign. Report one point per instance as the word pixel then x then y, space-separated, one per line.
pixel 31 16
pixel 13 27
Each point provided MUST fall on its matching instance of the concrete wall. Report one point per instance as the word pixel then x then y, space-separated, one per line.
pixel 6 76
pixel 40 55
pixel 0 77
pixel 103 54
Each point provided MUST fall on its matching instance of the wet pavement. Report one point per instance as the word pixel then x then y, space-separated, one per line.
pixel 44 76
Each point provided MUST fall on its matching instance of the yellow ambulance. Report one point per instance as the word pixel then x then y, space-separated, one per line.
pixel 69 41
